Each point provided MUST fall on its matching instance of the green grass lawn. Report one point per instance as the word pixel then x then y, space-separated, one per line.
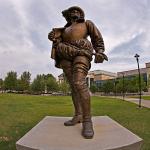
pixel 19 113
pixel 146 97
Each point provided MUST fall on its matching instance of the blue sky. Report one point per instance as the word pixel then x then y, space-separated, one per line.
pixel 25 24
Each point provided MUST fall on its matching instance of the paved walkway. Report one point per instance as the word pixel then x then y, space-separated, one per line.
pixel 145 103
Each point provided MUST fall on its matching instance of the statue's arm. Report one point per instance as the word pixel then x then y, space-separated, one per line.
pixel 96 37
pixel 97 42
pixel 55 34
pixel 51 35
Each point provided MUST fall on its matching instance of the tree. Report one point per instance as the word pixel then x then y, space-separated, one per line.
pixel 120 88
pixel 44 83
pixel 38 84
pixel 64 87
pixel 108 86
pixel 51 84
pixel 148 84
pixel 20 86
pixel 25 80
pixel 10 82
pixel 48 76
pixel 131 85
pixel 1 85
pixel 93 88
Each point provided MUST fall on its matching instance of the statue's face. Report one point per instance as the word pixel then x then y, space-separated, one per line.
pixel 75 14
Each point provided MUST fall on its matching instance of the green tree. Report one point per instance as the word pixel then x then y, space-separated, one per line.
pixel 44 83
pixel 25 81
pixel 148 83
pixel 108 86
pixel 93 88
pixel 1 85
pixel 51 84
pixel 120 87
pixel 48 76
pixel 131 85
pixel 64 87
pixel 20 86
pixel 38 84
pixel 10 82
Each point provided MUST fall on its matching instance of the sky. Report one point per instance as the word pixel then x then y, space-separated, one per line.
pixel 25 24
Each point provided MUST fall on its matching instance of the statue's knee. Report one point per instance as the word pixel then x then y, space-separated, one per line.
pixel 79 85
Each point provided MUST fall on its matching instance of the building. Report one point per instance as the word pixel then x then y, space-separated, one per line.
pixel 148 72
pixel 61 78
pixel 98 77
pixel 145 73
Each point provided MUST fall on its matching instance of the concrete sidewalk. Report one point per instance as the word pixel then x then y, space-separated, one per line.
pixel 145 103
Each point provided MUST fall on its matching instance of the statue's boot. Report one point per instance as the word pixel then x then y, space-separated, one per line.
pixel 77 118
pixel 87 126
pixel 87 129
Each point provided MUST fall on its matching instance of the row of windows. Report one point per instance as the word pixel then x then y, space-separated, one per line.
pixel 101 82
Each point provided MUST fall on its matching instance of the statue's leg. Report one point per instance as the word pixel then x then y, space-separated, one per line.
pixel 81 66
pixel 77 118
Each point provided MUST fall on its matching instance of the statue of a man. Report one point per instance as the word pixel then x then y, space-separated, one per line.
pixel 72 52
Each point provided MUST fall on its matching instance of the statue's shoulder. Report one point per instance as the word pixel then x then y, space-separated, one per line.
pixel 89 23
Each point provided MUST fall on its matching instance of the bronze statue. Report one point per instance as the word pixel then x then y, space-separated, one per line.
pixel 73 52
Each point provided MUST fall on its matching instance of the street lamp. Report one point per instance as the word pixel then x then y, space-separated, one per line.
pixel 115 84
pixel 123 90
pixel 115 90
pixel 140 93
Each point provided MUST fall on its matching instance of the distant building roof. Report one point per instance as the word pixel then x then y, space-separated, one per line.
pixel 132 72
pixel 148 65
pixel 97 72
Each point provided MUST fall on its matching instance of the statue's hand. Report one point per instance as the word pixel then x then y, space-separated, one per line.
pixel 100 57
pixel 51 36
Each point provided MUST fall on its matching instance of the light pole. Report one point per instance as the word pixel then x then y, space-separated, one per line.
pixel 140 93
pixel 115 87
pixel 123 90
pixel 115 84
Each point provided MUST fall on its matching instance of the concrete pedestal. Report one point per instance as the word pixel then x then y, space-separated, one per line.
pixel 51 134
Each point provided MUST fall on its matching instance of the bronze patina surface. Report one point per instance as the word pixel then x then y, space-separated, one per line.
pixel 72 52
